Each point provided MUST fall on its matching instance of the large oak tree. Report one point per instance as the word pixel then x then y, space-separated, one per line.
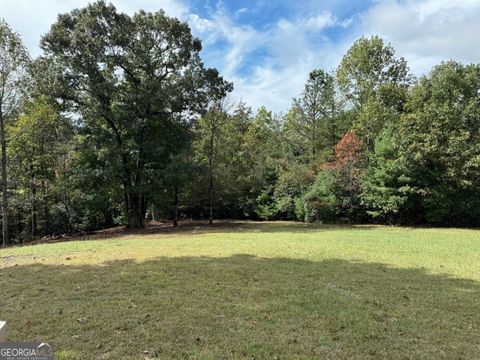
pixel 136 82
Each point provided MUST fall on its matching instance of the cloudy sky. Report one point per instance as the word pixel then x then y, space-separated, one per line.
pixel 267 48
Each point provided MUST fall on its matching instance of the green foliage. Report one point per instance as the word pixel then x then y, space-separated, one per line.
pixel 441 141
pixel 39 149
pixel 14 62
pixel 369 66
pixel 320 203
pixel 315 117
pixel 136 82
pixel 335 195
pixel 300 212
pixel 385 184
pixel 375 84
pixel 372 118
pixel 120 121
pixel 293 180
pixel 265 208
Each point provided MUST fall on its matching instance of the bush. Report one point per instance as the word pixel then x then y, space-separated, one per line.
pixel 320 202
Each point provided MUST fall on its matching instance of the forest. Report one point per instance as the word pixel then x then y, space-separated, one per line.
pixel 119 122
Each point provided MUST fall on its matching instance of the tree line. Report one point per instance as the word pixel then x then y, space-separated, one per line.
pixel 119 122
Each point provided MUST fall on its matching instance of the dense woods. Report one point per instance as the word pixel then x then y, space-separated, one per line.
pixel 119 122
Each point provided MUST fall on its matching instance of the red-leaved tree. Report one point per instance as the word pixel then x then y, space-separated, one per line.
pixel 348 164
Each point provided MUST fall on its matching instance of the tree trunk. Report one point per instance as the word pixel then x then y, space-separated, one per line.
pixel 133 206
pixel 135 202
pixel 175 210
pixel 334 127
pixel 19 223
pixel 46 211
pixel 210 179
pixel 108 217
pixel 153 212
pixel 314 138
pixel 136 211
pixel 33 209
pixel 126 203
pixel 3 141
pixel 67 209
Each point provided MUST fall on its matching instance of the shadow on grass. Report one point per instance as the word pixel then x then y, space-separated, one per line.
pixel 242 307
pixel 203 227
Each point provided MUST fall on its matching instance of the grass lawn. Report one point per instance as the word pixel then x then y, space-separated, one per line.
pixel 250 291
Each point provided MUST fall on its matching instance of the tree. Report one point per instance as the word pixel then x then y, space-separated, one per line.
pixel 440 135
pixel 335 194
pixel 260 147
pixel 180 173
pixel 320 203
pixel 368 66
pixel 348 166
pixel 386 188
pixel 315 116
pixel 374 82
pixel 135 81
pixel 293 180
pixel 14 60
pixel 35 140
pixel 310 129
pixel 209 131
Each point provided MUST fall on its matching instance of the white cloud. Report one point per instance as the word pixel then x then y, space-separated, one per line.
pixel 174 8
pixel 427 32
pixel 241 11
pixel 201 25
pixel 241 39
pixel 271 87
pixel 321 21
pixel 288 55
pixel 274 86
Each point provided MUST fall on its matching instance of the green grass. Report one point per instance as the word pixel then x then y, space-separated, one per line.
pixel 250 290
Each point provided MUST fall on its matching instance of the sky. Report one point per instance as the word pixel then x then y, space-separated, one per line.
pixel 267 47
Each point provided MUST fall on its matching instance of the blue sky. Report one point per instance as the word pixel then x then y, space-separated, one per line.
pixel 267 48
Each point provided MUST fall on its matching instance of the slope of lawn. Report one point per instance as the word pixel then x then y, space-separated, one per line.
pixel 250 291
